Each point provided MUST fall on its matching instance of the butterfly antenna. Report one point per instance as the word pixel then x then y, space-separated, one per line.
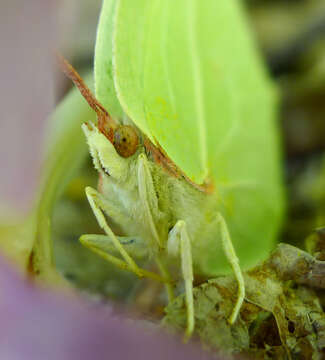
pixel 106 124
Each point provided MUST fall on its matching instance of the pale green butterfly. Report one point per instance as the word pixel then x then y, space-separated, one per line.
pixel 191 144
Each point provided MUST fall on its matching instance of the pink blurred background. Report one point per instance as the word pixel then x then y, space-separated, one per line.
pixel 27 34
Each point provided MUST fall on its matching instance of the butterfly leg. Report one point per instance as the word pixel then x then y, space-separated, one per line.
pixel 97 205
pixel 234 262
pixel 148 196
pixel 179 244
pixel 103 246
pixel 149 200
pixel 132 244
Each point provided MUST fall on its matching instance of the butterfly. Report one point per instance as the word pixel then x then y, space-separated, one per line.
pixel 186 145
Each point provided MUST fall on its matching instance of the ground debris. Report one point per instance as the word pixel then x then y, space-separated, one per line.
pixel 281 318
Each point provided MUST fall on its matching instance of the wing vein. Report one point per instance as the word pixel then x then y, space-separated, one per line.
pixel 164 54
pixel 197 82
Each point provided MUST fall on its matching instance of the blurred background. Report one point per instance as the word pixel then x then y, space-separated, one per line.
pixel 291 36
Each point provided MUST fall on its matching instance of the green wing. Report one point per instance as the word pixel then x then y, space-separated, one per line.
pixel 189 76
pixel 104 83
pixel 187 73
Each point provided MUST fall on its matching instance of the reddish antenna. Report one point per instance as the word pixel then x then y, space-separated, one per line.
pixel 106 124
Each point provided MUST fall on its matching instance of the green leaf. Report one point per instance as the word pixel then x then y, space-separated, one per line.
pixel 66 152
pixel 187 73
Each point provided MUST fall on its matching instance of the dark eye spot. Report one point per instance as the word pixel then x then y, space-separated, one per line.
pixel 125 140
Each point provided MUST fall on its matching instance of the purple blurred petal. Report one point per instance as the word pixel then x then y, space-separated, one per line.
pixel 26 37
pixel 38 325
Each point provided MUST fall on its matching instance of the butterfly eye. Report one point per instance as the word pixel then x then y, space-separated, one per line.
pixel 125 140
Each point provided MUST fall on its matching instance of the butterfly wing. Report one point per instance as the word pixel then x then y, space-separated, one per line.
pixel 103 66
pixel 188 74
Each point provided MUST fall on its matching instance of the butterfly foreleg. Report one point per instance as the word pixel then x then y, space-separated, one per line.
pixel 148 196
pixel 103 246
pixel 97 204
pixel 132 244
pixel 179 244
pixel 234 262
pixel 149 201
